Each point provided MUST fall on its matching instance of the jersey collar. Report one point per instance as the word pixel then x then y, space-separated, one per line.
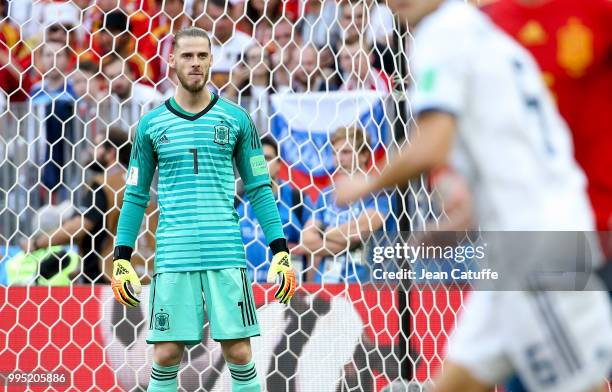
pixel 174 107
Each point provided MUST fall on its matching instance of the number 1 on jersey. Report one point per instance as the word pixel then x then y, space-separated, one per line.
pixel 194 151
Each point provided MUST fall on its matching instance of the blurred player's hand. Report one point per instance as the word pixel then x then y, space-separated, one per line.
pixel 281 267
pixel 351 189
pixel 125 283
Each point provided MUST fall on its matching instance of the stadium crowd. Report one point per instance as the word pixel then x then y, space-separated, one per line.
pixel 98 65
pixel 90 68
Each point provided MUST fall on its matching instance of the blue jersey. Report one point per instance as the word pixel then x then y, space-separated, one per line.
pixel 328 215
pixel 293 214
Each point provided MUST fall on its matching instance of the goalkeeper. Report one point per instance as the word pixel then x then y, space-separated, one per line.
pixel 193 138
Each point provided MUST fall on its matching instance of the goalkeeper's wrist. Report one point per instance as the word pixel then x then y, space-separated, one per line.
pixel 122 252
pixel 279 245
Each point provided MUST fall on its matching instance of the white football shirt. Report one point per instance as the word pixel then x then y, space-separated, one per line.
pixel 511 144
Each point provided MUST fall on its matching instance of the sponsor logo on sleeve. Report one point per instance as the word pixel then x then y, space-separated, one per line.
pixel 258 165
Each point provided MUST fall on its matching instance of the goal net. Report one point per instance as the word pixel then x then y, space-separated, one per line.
pixel 75 78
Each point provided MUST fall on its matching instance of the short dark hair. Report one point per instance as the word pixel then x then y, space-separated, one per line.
pixel 225 4
pixel 190 32
pixel 116 21
pixel 112 58
pixel 270 141
pixel 118 139
pixel 88 66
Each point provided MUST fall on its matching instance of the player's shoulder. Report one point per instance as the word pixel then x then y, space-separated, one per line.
pixel 454 18
pixel 233 109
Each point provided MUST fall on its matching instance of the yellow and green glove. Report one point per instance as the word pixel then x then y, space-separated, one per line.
pixel 125 283
pixel 281 268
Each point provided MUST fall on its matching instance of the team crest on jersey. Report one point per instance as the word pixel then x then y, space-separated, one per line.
pixel 222 134
pixel 162 321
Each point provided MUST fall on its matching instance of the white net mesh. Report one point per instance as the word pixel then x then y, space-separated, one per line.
pixel 76 77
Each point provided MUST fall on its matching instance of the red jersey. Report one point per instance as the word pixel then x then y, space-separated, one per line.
pixel 572 42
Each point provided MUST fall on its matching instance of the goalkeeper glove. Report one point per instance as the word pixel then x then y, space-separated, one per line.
pixel 125 283
pixel 281 265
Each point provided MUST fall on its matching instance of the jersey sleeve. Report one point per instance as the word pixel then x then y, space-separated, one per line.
pixel 137 187
pixel 439 73
pixel 249 157
pixel 253 170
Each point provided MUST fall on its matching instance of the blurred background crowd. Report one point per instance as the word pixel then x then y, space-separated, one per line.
pixel 76 76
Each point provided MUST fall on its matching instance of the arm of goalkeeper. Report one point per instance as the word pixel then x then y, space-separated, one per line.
pixel 281 268
pixel 125 283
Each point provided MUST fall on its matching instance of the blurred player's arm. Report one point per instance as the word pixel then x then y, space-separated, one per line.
pixel 251 165
pixel 453 194
pixel 428 149
pixel 355 231
pixel 125 282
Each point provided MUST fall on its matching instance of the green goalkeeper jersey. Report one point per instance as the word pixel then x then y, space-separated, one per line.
pixel 198 225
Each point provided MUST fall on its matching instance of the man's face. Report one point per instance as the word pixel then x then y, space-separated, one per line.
pixel 54 60
pixel 272 160
pixel 58 33
pixel 354 60
pixel 85 84
pixel 107 5
pixel 353 21
pixel 257 61
pixel 173 8
pixel 346 158
pixel 412 11
pixel 282 34
pixel 191 61
pixel 120 84
pixel 219 21
pixel 111 41
pixel 309 61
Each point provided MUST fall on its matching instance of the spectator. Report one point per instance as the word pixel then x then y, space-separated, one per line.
pixel 318 22
pixel 168 22
pixel 129 99
pixel 251 85
pixel 353 21
pixel 294 211
pixel 262 15
pixel 309 76
pixel 89 92
pixel 86 83
pixel 91 230
pixel 48 266
pixel 227 43
pixel 335 233
pixel 53 100
pixel 58 21
pixel 357 71
pixel 116 39
pixel 139 14
pixel 53 67
pixel 285 51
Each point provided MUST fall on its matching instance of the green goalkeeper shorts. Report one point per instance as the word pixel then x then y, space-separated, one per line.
pixel 176 306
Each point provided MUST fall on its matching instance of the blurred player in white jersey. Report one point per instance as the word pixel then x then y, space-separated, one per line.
pixel 480 106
